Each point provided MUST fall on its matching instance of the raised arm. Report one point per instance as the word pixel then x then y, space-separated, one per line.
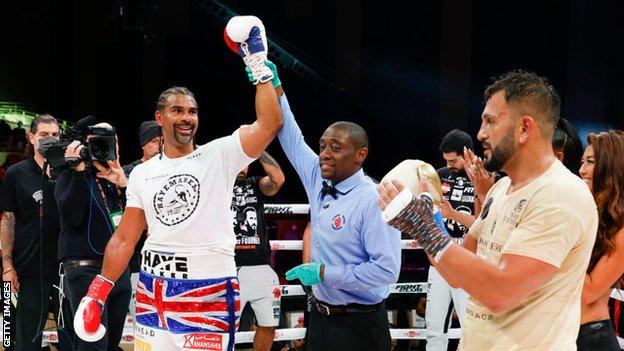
pixel 273 181
pixel 246 36
pixel 257 136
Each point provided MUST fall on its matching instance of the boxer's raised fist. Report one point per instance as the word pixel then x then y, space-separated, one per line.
pixel 245 35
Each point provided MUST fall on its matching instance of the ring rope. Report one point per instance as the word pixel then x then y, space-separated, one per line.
pixel 297 290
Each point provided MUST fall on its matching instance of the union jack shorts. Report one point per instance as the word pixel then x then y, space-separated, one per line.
pixel 198 313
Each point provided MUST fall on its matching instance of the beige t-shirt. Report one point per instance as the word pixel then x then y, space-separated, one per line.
pixel 552 219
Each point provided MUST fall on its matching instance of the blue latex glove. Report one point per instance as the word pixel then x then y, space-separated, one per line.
pixel 276 81
pixel 307 273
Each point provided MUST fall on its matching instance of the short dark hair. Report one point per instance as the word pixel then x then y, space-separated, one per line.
pixel 164 96
pixel 356 133
pixel 44 118
pixel 566 139
pixel 455 141
pixel 534 93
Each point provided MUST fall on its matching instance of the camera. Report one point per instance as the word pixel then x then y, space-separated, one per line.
pixel 99 142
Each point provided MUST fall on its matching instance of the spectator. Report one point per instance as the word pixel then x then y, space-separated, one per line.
pixel 30 229
pixel 259 285
pixel 567 145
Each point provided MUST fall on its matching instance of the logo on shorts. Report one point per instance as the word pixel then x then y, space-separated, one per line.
pixel 177 199
pixel 338 221
pixel 210 342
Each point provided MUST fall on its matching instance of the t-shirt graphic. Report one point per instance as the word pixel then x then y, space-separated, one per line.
pixel 252 245
pixel 459 192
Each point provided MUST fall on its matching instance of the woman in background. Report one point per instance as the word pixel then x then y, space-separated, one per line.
pixel 602 168
pixel 567 145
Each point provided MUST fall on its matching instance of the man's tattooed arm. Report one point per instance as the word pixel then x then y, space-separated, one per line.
pixel 7 238
pixel 273 181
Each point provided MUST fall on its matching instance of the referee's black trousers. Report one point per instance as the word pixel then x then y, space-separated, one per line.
pixel 352 331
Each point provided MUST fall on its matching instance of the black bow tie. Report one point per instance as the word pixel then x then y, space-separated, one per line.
pixel 329 190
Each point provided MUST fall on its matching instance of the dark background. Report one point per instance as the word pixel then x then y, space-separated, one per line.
pixel 406 71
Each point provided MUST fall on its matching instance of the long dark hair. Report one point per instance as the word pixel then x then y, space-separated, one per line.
pixel 566 140
pixel 608 185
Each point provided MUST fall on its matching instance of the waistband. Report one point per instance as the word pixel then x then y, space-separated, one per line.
pixel 181 266
pixel 596 326
pixel 328 309
pixel 73 264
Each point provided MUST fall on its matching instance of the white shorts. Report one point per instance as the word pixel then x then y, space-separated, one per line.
pixel 260 287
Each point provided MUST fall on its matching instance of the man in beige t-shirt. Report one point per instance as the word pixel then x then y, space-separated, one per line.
pixel 546 220
pixel 524 260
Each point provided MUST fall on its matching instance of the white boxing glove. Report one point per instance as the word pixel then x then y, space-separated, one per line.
pixel 245 35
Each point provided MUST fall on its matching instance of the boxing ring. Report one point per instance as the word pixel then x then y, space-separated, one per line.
pixel 287 334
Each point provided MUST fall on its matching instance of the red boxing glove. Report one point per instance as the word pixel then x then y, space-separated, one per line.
pixel 89 313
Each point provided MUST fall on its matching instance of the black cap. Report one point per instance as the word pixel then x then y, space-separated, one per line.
pixel 148 131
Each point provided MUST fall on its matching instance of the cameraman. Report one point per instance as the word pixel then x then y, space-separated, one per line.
pixel 90 198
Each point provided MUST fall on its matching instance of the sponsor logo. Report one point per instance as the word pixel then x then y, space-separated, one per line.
pixel 413 244
pixel 211 342
pixel 410 288
pixel 338 221
pixel 144 331
pixel 177 199
pixel 446 187
pixel 277 293
pixel 164 265
pixel 278 210
pixel 277 246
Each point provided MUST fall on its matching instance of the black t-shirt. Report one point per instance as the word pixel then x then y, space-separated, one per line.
pixel 23 195
pixel 85 202
pixel 252 243
pixel 459 191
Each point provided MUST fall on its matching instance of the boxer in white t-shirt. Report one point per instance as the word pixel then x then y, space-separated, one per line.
pixel 187 295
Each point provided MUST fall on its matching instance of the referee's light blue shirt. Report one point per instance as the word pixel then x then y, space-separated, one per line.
pixel 361 253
